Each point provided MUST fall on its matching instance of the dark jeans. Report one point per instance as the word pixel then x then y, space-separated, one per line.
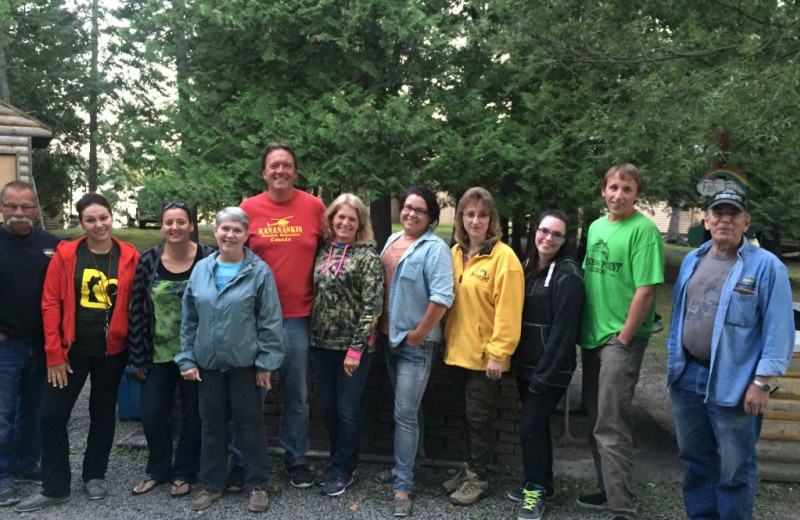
pixel 479 393
pixel 341 401
pixel 226 395
pixel 56 408
pixel 536 440
pixel 156 400
pixel 22 370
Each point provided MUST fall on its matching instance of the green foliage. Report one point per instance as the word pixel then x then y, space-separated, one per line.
pixel 532 100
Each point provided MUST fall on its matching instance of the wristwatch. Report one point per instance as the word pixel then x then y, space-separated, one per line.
pixel 766 387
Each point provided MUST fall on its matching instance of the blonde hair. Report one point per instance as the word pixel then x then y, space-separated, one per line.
pixel 480 196
pixel 364 233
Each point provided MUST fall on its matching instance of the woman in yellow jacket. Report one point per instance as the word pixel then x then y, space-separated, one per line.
pixel 482 329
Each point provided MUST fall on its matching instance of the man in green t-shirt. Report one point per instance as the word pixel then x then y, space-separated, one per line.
pixel 624 263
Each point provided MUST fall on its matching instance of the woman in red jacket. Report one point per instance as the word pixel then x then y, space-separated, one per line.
pixel 85 303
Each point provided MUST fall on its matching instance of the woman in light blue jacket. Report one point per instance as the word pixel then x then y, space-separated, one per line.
pixel 418 270
pixel 231 339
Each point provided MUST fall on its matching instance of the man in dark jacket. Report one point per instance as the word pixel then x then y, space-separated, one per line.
pixel 25 253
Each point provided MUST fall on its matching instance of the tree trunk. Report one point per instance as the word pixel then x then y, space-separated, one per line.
pixel 380 214
pixel 93 108
pixel 674 228
pixel 5 95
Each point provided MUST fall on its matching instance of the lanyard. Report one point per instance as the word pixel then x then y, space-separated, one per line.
pixel 106 297
pixel 338 267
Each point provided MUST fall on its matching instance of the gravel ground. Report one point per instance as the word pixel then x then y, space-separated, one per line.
pixel 657 469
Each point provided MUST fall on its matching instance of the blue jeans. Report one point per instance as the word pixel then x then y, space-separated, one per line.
pixel 294 391
pixel 156 400
pixel 22 371
pixel 232 394
pixel 341 402
pixel 409 369
pixel 718 448
pixel 54 413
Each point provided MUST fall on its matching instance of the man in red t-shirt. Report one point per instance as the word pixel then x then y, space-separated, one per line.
pixel 285 231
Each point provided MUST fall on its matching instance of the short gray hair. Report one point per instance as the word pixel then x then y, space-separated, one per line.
pixel 233 213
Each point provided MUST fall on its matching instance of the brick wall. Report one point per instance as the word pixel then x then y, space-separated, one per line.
pixel 443 406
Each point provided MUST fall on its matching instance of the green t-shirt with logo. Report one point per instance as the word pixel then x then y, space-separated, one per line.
pixel 620 257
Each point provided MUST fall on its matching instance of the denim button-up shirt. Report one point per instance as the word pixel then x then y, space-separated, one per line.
pixel 423 275
pixel 754 328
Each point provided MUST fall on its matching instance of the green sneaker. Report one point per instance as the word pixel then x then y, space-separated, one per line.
pixel 532 506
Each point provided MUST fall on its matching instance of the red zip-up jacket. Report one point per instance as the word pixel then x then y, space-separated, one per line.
pixel 58 301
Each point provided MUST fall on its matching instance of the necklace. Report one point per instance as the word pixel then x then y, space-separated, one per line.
pixel 106 296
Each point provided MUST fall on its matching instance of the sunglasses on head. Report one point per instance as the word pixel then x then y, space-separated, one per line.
pixel 175 204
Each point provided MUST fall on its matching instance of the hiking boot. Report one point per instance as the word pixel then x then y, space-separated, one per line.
pixel 8 493
pixel 302 477
pixel 337 485
pixel 96 488
pixel 594 501
pixel 532 506
pixel 453 483
pixel 470 490
pixel 234 482
pixel 38 501
pixel 204 499
pixel 30 476
pixel 259 501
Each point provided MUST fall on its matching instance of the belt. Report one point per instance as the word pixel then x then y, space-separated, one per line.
pixel 705 363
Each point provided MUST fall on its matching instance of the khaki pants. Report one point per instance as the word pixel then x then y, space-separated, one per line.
pixel 610 374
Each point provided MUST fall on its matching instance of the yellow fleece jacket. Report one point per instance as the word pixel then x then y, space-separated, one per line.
pixel 486 317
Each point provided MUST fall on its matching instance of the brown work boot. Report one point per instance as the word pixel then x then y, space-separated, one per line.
pixel 470 490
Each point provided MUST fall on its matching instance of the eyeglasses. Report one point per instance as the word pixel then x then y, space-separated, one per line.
pixel 175 204
pixel 557 235
pixel 471 215
pixel 420 212
pixel 15 207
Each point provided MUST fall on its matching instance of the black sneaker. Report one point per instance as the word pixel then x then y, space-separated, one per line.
pixel 302 477
pixel 337 485
pixel 234 482
pixel 594 501
pixel 8 494
pixel 325 477
pixel 31 476
pixel 532 506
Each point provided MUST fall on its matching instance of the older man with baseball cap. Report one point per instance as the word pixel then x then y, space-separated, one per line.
pixel 731 334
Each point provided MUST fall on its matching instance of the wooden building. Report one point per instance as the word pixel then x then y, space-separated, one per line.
pixel 19 135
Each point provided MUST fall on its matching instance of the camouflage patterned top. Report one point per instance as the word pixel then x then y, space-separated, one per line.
pixel 348 297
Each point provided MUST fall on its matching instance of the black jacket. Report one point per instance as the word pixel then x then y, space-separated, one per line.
pixel 551 317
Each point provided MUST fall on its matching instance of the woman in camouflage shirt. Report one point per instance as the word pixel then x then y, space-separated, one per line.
pixel 348 299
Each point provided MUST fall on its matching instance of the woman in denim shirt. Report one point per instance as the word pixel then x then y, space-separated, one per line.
pixel 419 289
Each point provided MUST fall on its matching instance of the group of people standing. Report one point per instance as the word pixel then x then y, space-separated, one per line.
pixel 292 279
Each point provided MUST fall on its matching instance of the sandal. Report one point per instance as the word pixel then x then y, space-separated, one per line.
pixel 180 488
pixel 145 486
